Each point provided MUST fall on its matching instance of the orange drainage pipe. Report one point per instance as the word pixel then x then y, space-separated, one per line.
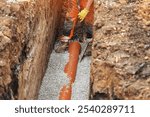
pixel 71 66
pixel 70 70
pixel 65 92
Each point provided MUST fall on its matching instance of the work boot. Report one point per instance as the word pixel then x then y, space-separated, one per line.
pixel 62 47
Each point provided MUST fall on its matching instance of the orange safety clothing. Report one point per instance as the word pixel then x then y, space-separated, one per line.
pixel 74 7
pixel 73 10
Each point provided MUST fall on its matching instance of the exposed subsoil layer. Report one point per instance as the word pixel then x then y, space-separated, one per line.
pixel 27 33
pixel 55 78
pixel 121 50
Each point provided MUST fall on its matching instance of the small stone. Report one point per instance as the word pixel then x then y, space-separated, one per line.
pixel 146 57
pixel 2 63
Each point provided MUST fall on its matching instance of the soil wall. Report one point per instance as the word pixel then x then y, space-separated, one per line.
pixel 120 66
pixel 27 33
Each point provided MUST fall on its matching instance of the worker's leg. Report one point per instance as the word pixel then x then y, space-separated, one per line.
pixel 88 21
pixel 69 28
pixel 89 30
pixel 63 46
pixel 72 16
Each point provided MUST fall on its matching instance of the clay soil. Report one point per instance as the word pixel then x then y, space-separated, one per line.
pixel 120 66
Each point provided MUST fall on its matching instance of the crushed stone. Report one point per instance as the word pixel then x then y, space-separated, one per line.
pixel 55 78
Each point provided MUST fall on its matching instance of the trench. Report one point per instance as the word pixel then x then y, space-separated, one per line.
pixel 55 78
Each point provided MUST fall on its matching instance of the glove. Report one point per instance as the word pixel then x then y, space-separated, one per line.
pixel 83 14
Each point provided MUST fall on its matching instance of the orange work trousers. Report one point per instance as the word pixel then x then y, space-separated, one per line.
pixel 74 7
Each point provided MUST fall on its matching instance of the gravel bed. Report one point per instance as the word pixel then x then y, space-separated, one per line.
pixel 81 86
pixel 55 78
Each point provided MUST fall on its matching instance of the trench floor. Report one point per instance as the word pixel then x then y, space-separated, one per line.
pixel 55 78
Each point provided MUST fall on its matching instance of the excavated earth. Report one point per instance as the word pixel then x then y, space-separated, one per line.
pixel 27 33
pixel 120 66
